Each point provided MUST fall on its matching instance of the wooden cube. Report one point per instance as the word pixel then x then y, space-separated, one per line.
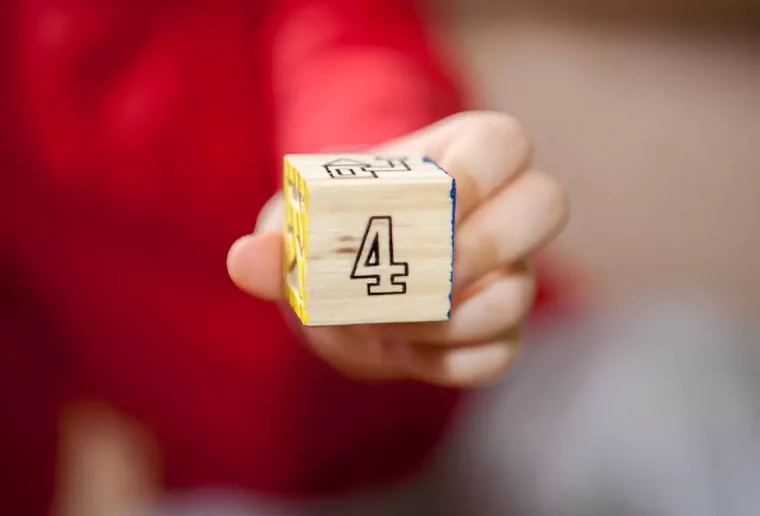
pixel 369 239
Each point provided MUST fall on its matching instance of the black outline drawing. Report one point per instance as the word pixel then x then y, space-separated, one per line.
pixel 375 252
pixel 337 167
pixel 400 165
pixel 347 168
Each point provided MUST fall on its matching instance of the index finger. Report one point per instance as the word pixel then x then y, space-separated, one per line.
pixel 483 151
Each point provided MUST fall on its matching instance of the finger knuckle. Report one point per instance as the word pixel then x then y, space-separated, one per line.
pixel 497 123
pixel 556 199
pixel 499 366
pixel 511 297
pixel 507 131
pixel 503 124
pixel 501 358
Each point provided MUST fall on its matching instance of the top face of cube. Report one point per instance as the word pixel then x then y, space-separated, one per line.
pixel 364 167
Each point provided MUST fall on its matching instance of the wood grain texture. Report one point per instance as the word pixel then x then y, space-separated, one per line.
pixel 368 239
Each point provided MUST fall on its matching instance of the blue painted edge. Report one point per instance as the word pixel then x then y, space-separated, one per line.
pixel 453 195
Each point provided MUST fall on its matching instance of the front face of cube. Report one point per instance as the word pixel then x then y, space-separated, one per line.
pixel 375 239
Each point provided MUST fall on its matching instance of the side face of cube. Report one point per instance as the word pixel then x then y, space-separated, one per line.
pixel 380 235
pixel 296 197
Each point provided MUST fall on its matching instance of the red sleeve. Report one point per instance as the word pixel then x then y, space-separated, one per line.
pixel 352 74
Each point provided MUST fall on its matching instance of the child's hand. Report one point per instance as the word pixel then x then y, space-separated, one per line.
pixel 505 211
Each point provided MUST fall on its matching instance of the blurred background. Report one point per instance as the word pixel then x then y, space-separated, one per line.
pixel 667 93
pixel 649 112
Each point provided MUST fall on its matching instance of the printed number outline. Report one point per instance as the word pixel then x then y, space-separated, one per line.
pixel 376 287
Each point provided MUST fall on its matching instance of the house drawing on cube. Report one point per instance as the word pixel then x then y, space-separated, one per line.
pixel 352 168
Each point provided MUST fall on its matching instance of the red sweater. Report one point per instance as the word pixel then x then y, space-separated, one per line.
pixel 139 140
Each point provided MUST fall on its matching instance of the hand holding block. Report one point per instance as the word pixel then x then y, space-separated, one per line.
pixel 368 239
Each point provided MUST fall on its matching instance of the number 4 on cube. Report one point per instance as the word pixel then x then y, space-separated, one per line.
pixel 368 239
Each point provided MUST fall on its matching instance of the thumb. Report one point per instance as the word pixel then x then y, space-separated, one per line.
pixel 255 261
pixel 254 264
